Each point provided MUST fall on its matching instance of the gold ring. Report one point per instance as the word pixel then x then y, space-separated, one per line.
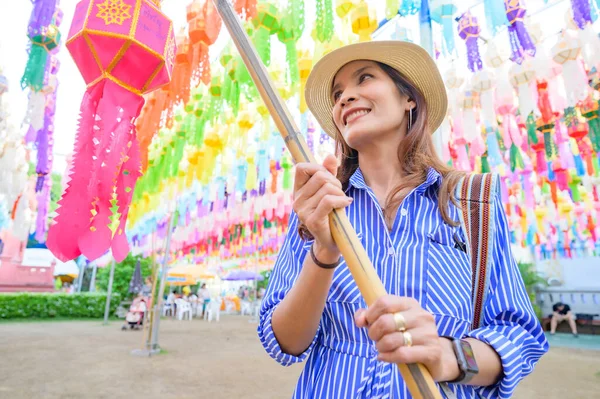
pixel 400 322
pixel 407 339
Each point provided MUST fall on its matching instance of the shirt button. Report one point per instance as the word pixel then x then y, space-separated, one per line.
pixel 403 212
pixel 391 251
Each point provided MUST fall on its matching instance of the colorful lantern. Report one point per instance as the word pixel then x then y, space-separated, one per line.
pixel 519 37
pixel 204 30
pixel 124 49
pixel 566 52
pixel 290 31
pixel 409 7
pixel 441 11
pixel 468 30
pixel 364 21
pixel 521 76
pixel 44 36
pixel 304 68
pixel 324 24
pixel 245 8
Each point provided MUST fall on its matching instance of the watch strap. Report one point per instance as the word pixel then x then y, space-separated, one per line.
pixel 463 376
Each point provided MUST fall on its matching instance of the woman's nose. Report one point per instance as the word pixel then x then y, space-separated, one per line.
pixel 348 99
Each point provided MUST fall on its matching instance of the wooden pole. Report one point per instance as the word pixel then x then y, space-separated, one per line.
pixel 417 377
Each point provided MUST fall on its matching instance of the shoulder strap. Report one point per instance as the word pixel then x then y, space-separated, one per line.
pixel 475 194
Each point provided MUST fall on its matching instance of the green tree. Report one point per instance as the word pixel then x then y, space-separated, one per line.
pixel 533 281
pixel 123 273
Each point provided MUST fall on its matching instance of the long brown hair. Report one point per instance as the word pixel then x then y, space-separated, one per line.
pixel 416 154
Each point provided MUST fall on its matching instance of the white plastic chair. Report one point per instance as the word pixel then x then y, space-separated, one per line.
pixel 246 308
pixel 167 308
pixel 183 309
pixel 213 309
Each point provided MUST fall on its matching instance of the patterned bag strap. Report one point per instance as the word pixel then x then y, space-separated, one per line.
pixel 475 194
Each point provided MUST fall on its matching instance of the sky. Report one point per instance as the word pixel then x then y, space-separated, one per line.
pixel 14 16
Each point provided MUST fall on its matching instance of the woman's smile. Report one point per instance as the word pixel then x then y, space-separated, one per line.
pixel 353 114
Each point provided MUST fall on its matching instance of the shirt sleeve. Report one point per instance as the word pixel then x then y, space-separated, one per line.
pixel 285 272
pixel 509 325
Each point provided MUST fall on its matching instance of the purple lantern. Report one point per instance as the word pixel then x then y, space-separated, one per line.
pixel 468 30
pixel 520 41
pixel 582 12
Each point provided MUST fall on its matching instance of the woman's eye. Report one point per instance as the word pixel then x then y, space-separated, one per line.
pixel 364 76
pixel 337 95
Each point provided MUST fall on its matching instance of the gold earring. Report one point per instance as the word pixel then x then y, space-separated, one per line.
pixel 410 119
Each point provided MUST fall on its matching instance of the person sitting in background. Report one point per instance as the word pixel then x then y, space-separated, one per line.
pixel 562 312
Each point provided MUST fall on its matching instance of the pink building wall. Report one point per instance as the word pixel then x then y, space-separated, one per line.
pixel 16 277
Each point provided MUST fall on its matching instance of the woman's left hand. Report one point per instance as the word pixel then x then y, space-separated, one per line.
pixel 427 347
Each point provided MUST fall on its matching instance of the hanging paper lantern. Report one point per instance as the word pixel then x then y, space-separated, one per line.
pixel 266 23
pixel 566 52
pixel 324 24
pixel 582 13
pixel 343 7
pixel 521 77
pixel 124 49
pixel 468 30
pixel 364 21
pixel 546 121
pixel 520 41
pixel 589 110
pixel 204 30
pixel 401 32
pixel 441 11
pixel 245 8
pixel 304 67
pixel 182 70
pixel 290 31
pixel 483 84
pixel 409 7
pixel 44 36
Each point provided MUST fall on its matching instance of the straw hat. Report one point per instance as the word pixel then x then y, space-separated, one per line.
pixel 411 60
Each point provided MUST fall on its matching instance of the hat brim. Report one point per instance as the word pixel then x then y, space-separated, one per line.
pixel 411 60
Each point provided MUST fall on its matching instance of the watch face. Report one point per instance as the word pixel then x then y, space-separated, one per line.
pixel 469 356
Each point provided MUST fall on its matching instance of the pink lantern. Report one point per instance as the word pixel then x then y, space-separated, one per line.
pixel 123 49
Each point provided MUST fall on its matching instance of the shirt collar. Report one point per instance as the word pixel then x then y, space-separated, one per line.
pixel 434 178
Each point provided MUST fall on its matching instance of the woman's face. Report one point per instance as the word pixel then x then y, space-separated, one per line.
pixel 367 104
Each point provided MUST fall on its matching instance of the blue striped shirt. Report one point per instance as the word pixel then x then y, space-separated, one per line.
pixel 416 258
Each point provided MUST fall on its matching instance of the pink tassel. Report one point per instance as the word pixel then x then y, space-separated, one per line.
pixel 128 175
pixel 462 159
pixel 73 211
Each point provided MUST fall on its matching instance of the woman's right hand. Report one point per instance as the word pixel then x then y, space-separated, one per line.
pixel 317 192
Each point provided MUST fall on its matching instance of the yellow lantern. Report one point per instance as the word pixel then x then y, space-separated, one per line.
pixel 304 66
pixel 364 21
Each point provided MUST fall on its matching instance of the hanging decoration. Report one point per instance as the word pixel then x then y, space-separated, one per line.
pixel 468 30
pixel 442 12
pixel 132 54
pixel 45 37
pixel 495 15
pixel 520 42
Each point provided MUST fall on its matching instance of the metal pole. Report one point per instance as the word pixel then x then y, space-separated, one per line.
pixel 93 280
pixel 163 280
pixel 109 291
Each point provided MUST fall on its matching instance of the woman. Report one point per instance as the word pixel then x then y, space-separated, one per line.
pixel 381 101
